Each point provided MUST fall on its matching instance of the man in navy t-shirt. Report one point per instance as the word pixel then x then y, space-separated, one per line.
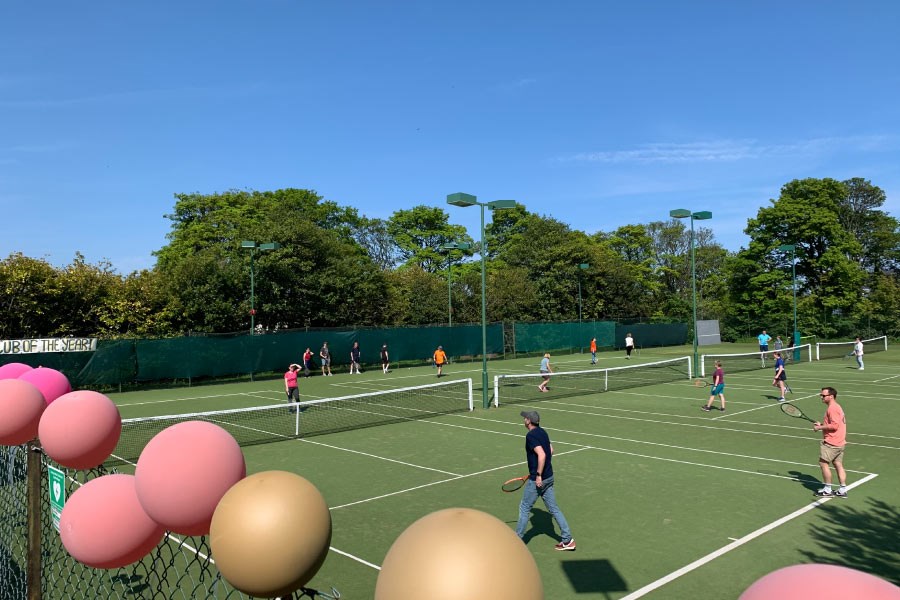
pixel 539 452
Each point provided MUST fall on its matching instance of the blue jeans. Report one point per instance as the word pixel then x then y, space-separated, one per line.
pixel 545 492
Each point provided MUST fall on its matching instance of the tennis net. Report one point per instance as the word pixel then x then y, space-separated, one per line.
pixel 754 361
pixel 264 424
pixel 524 387
pixel 826 350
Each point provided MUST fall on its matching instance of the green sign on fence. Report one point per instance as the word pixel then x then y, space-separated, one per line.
pixel 57 480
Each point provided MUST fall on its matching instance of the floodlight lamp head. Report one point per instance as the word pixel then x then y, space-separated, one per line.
pixel 500 204
pixel 702 215
pixel 248 244
pixel 584 266
pixel 787 247
pixel 461 199
pixel 680 213
pixel 270 246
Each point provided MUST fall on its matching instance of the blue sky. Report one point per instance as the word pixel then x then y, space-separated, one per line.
pixel 597 113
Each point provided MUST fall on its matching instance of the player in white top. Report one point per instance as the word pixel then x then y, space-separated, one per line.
pixel 858 352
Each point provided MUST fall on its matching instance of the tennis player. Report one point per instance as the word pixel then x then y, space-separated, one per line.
pixel 718 388
pixel 834 438
pixel 629 345
pixel 538 453
pixel 385 359
pixel 764 339
pixel 290 385
pixel 780 375
pixel 440 359
pixel 546 370
pixel 593 351
pixel 858 352
pixel 354 358
pixel 307 363
pixel 325 355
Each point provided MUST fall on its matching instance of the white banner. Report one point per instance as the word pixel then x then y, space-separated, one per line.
pixel 35 346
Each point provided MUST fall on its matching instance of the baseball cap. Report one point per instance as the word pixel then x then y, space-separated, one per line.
pixel 531 415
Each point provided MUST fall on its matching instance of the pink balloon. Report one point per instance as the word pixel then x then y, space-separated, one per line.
pixel 80 429
pixel 13 370
pixel 184 471
pixel 814 582
pixel 103 525
pixel 21 406
pixel 51 382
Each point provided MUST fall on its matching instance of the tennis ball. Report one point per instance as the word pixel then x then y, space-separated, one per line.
pixel 103 525
pixel 452 555
pixel 21 407
pixel 270 533
pixel 184 471
pixel 80 429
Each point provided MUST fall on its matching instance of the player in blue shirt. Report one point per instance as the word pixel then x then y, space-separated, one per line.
pixel 764 341
pixel 538 452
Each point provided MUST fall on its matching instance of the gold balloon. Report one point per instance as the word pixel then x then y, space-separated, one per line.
pixel 459 554
pixel 270 533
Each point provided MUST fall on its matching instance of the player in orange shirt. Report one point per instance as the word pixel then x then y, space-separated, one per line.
pixel 834 434
pixel 440 359
pixel 593 351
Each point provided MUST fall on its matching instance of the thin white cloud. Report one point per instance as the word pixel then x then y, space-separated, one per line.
pixel 731 150
pixel 523 82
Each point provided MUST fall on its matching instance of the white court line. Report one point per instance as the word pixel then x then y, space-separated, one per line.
pixel 886 378
pixel 418 487
pixel 546 402
pixel 760 407
pixel 380 457
pixel 736 544
pixel 356 558
pixel 644 442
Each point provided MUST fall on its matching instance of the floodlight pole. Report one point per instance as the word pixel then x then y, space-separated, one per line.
pixel 463 200
pixel 253 247
pixel 681 213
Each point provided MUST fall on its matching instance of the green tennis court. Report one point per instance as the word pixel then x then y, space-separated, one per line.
pixel 665 501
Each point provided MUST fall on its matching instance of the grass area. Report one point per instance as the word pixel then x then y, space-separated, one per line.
pixel 665 501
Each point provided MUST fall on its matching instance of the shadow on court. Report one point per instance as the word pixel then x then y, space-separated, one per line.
pixel 864 538
pixel 593 576
pixel 541 524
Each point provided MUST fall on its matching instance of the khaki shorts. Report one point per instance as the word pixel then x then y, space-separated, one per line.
pixel 831 454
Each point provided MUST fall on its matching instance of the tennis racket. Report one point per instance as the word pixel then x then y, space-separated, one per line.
pixel 848 355
pixel 514 484
pixel 702 383
pixel 786 386
pixel 792 411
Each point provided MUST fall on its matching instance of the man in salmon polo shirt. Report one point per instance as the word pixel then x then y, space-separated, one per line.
pixel 831 452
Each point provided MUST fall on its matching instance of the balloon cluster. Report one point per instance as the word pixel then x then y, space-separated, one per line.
pixel 269 532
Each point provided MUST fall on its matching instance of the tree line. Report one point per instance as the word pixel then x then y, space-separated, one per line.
pixel 337 268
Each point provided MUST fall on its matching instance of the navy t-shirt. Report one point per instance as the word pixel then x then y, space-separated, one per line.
pixel 534 438
pixel 354 354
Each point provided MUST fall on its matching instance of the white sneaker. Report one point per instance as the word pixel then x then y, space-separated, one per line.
pixel 862 368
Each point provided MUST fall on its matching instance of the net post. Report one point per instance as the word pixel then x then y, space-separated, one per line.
pixel 885 343
pixel 605 380
pixel 496 391
pixel 817 351
pixel 471 402
pixel 34 478
pixel 702 365
pixel 690 369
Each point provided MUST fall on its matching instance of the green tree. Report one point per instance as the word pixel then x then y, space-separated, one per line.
pixel 419 234
pixel 805 214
